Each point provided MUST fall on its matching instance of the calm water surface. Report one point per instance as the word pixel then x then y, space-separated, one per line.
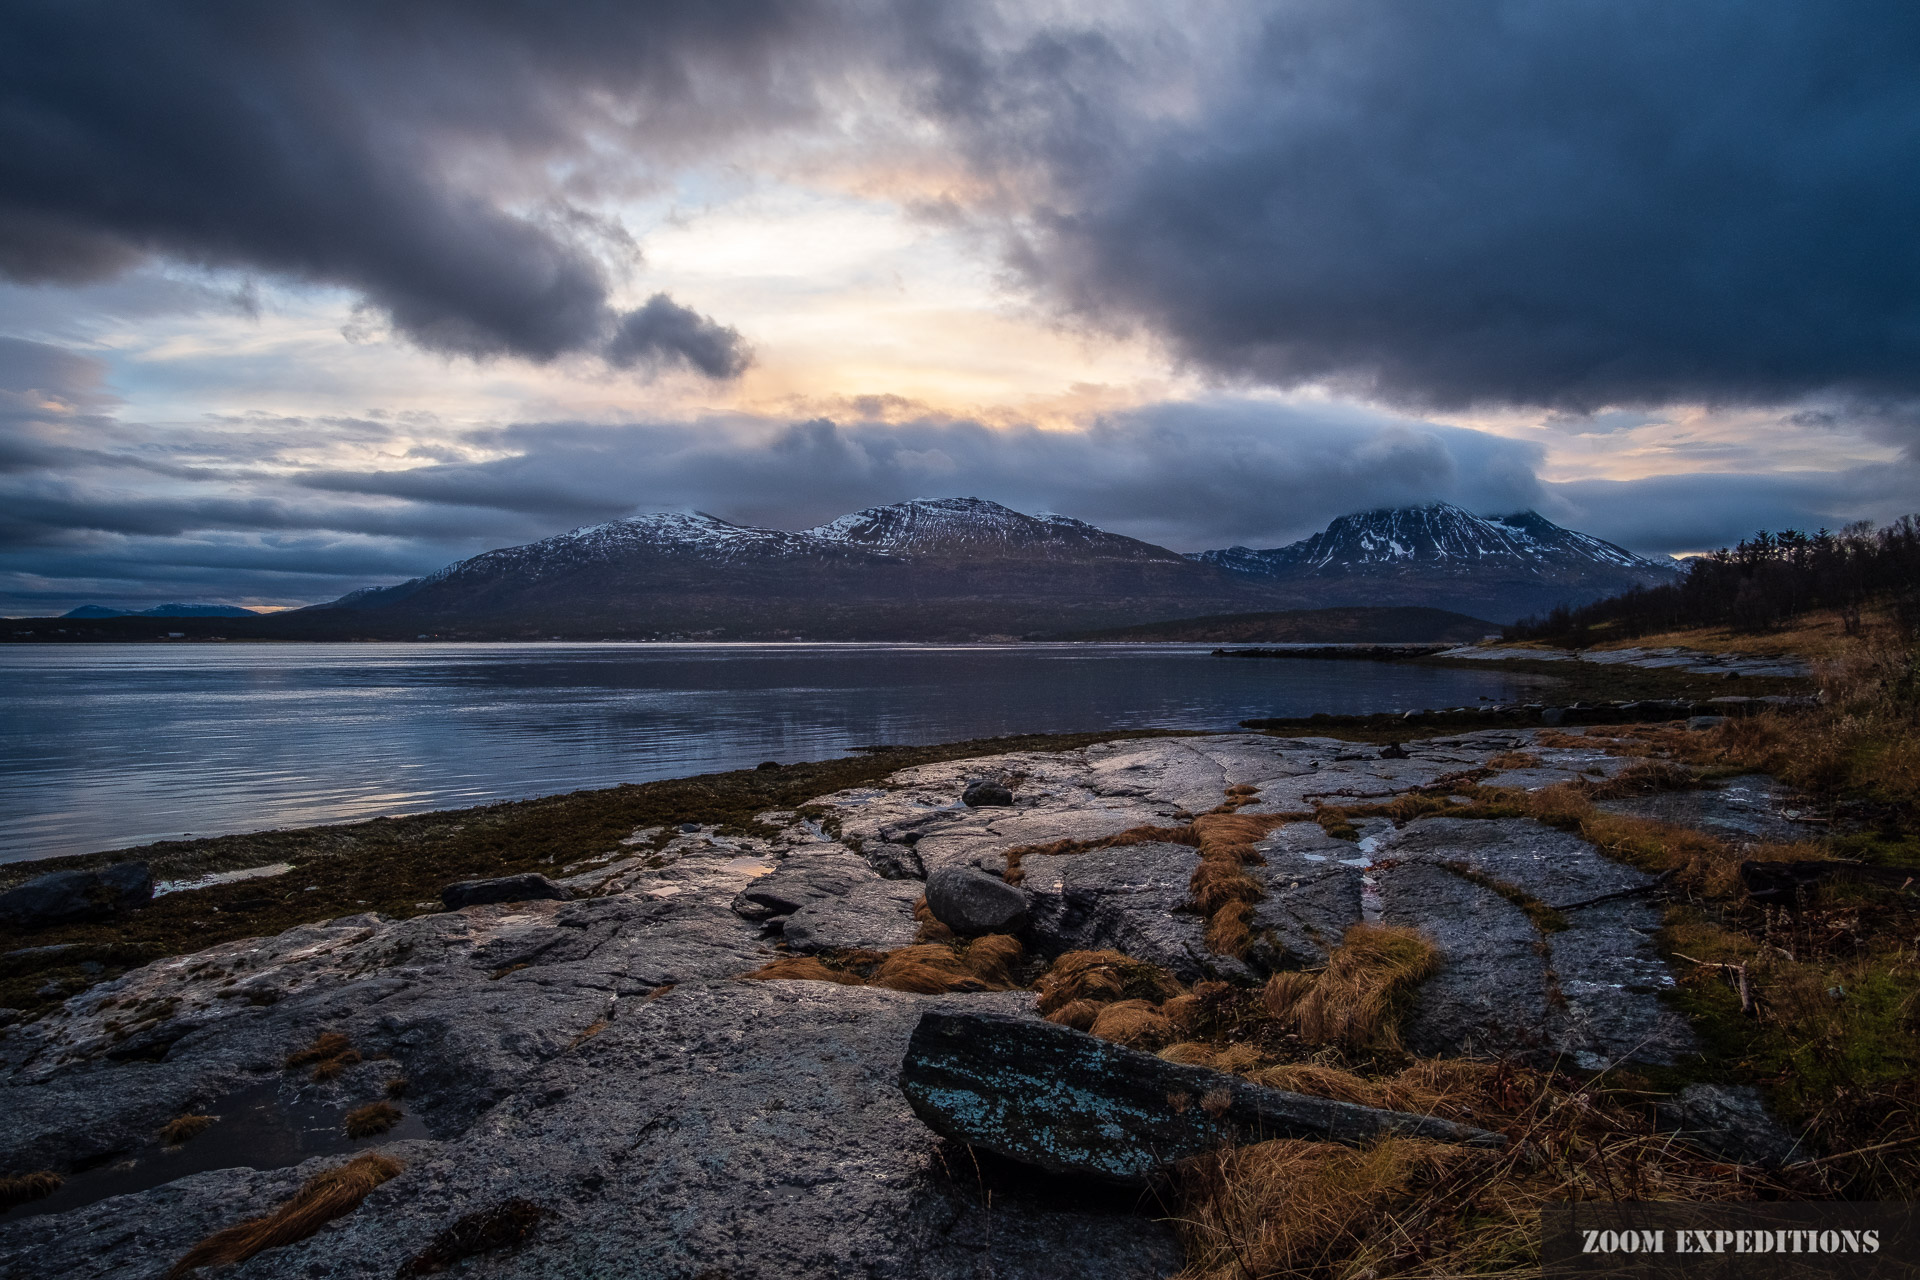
pixel 104 746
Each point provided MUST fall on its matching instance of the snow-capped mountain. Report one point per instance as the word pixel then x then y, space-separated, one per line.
pixel 949 567
pixel 1523 561
pixel 974 527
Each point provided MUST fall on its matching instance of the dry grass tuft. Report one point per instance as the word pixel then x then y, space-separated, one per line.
pixel 1078 1014
pixel 1134 1023
pixel 27 1187
pixel 931 930
pixel 329 1044
pixel 1103 977
pixel 1513 760
pixel 396 1087
pixel 183 1128
pixel 1189 1053
pixel 332 1067
pixel 1356 1001
pixel 1230 930
pixel 1216 884
pixel 991 958
pixel 330 1053
pixel 375 1117
pixel 326 1196
pixel 1648 777
pixel 928 968
pixel 806 969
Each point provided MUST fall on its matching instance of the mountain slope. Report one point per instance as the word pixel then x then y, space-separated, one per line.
pixel 1500 568
pixel 925 569
pixel 959 568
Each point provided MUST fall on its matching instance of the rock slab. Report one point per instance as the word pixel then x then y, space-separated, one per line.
pixel 69 897
pixel 530 887
pixel 970 903
pixel 1071 1103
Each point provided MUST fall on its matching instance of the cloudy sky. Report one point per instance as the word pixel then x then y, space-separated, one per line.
pixel 304 296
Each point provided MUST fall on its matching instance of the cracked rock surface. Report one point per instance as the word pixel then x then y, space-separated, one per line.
pixel 601 1057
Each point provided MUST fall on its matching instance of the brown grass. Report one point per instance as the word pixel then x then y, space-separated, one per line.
pixel 326 1196
pixel 1078 1014
pixel 328 1044
pixel 184 1128
pixel 1513 760
pixel 1103 977
pixel 930 968
pixel 396 1087
pixel 1134 1023
pixel 1405 1207
pixel 375 1117
pixel 1356 1001
pixel 806 969
pixel 26 1187
pixel 930 929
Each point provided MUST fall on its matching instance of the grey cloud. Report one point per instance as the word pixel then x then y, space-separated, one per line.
pixel 663 333
pixel 1191 476
pixel 1681 513
pixel 1577 205
pixel 386 148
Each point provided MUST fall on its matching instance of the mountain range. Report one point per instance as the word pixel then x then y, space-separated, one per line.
pixel 958 568
pixel 162 611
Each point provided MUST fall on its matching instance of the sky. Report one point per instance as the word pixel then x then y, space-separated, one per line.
pixel 303 297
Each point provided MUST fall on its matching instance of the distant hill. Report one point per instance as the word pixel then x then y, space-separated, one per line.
pixel 163 611
pixel 1353 625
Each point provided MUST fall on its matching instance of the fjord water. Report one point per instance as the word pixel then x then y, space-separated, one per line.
pixel 107 746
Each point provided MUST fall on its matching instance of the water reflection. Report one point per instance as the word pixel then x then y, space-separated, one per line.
pixel 103 746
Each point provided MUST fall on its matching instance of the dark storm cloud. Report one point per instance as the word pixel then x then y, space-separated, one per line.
pixel 1579 204
pixel 407 150
pixel 1683 513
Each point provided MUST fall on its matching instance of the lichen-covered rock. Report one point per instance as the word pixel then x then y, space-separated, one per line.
pixel 529 887
pixel 970 903
pixel 1071 1103
pixel 70 897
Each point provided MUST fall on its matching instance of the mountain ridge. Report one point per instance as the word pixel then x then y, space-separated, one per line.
pixel 932 568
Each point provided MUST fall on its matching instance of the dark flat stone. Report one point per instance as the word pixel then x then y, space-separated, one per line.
pixel 1071 1103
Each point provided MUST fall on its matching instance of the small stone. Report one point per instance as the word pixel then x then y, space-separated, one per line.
pixel 969 902
pixel 1393 751
pixel 521 888
pixel 1705 722
pixel 689 828
pixel 981 794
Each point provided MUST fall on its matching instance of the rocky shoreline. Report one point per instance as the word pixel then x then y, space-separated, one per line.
pixel 597 1055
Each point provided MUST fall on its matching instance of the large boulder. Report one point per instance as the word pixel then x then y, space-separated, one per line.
pixel 969 903
pixel 73 897
pixel 1071 1103
pixel 529 887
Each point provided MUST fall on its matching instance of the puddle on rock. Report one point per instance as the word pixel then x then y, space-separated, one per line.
pixel 748 866
pixel 222 877
pixel 258 1128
